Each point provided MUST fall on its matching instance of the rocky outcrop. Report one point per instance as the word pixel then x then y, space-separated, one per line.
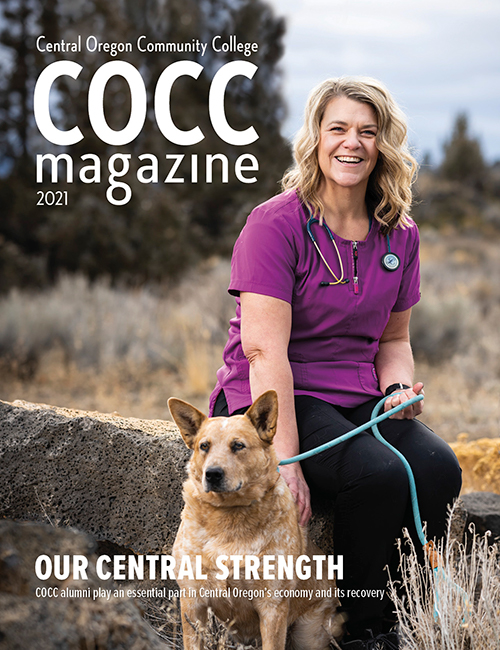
pixel 78 614
pixel 118 479
pixel 483 510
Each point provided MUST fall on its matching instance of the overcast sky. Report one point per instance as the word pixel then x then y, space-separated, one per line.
pixel 437 57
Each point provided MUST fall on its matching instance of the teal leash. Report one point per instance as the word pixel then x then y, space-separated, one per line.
pixel 434 557
pixel 372 424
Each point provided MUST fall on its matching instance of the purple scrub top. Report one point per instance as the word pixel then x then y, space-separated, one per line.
pixel 335 329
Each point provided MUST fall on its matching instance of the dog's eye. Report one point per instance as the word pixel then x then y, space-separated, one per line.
pixel 236 446
pixel 205 446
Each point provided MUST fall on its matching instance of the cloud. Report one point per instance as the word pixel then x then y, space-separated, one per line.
pixel 438 58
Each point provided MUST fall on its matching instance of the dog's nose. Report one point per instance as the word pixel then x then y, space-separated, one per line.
pixel 214 477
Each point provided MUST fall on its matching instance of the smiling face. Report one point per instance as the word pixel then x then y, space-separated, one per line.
pixel 347 150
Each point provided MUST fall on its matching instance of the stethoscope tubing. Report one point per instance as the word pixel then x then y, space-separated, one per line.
pixel 390 261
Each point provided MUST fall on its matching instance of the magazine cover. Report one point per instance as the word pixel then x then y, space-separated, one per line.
pixel 135 141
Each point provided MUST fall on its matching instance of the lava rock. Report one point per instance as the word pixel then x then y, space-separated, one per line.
pixel 483 510
pixel 73 618
pixel 118 479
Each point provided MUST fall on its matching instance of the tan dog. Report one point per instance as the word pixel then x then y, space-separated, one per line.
pixel 236 504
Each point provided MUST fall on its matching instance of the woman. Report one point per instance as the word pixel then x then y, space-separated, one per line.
pixel 325 276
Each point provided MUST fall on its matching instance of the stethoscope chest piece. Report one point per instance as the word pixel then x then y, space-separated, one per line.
pixel 390 261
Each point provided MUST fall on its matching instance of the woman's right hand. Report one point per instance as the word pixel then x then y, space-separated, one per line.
pixel 300 491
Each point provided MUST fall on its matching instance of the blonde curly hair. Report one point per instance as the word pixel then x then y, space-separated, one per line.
pixel 388 194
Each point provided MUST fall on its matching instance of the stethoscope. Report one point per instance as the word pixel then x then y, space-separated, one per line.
pixel 390 261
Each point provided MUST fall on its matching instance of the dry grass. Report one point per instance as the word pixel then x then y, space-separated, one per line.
pixel 92 346
pixel 455 334
pixel 165 619
pixel 468 600
pixel 95 347
pixel 455 608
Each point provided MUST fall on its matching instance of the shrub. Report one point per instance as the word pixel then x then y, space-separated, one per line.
pixel 468 597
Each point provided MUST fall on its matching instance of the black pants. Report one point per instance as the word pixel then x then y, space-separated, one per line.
pixel 368 488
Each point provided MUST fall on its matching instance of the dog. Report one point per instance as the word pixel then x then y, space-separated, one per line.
pixel 237 504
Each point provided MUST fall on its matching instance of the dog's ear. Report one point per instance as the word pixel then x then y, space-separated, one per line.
pixel 263 414
pixel 187 418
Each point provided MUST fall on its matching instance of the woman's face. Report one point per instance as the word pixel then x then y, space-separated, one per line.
pixel 347 152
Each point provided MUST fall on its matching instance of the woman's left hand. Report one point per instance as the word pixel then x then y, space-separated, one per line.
pixel 398 398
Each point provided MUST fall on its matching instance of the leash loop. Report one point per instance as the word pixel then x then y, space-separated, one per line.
pixel 435 558
pixel 373 422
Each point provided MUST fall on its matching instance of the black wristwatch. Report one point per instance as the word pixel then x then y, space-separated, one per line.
pixel 394 387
